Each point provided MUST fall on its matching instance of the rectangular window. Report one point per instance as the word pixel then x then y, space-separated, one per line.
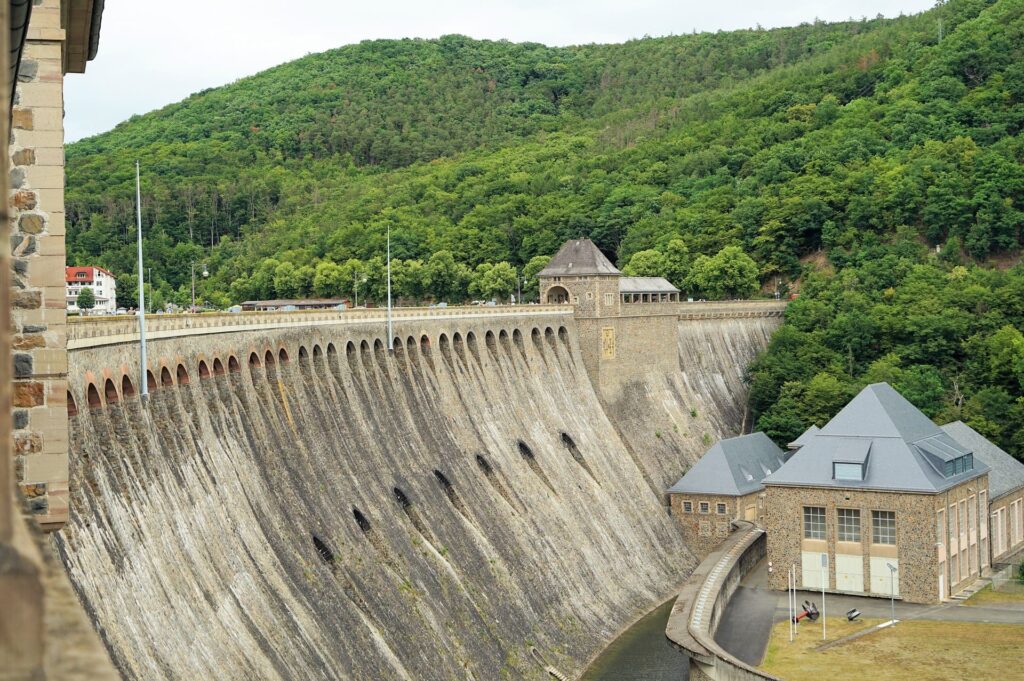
pixel 952 520
pixel 848 524
pixel 883 527
pixel 847 471
pixel 954 568
pixel 704 507
pixel 814 522
pixel 963 518
pixel 971 513
pixel 948 469
pixel 969 462
pixel 720 509
pixel 609 299
pixel 687 507
pixel 940 526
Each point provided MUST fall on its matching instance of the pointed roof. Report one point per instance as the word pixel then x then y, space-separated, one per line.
pixel 733 467
pixel 646 285
pixel 1006 473
pixel 897 446
pixel 804 437
pixel 578 257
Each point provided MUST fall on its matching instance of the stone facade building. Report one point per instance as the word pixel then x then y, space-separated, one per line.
pixel 722 487
pixel 879 501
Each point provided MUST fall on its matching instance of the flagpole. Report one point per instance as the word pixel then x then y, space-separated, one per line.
pixel 143 378
pixel 391 336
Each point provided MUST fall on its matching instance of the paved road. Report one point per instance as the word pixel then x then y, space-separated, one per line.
pixel 747 624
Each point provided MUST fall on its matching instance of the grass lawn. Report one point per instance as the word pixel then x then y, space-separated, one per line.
pixel 916 650
pixel 987 597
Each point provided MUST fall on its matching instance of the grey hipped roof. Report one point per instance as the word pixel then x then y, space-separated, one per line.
pixel 646 285
pixel 1005 474
pixel 804 438
pixel 732 467
pixel 578 257
pixel 901 447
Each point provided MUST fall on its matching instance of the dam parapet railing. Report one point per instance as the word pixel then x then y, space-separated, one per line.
pixel 702 602
pixel 87 332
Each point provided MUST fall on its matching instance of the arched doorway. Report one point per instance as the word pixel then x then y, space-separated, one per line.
pixel 558 295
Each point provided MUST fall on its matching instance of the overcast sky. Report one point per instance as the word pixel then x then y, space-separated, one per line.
pixel 154 53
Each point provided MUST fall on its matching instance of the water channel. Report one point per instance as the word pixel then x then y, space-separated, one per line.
pixel 641 653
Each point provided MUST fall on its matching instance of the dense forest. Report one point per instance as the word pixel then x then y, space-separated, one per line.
pixel 874 166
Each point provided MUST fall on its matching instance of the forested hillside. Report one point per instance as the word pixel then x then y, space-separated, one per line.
pixel 830 157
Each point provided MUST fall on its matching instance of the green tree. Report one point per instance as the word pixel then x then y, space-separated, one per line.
pixel 86 300
pixel 446 279
pixel 730 272
pixel 649 263
pixel 493 282
pixel 531 284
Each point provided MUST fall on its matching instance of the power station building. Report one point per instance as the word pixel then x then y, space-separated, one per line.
pixel 878 501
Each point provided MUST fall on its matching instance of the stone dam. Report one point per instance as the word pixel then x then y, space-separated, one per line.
pixel 297 502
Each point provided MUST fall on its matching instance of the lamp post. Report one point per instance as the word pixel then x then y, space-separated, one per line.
pixel 206 273
pixel 355 282
pixel 142 293
pixel 391 335
pixel 892 589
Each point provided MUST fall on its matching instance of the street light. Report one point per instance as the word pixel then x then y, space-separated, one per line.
pixel 892 589
pixel 356 281
pixel 206 273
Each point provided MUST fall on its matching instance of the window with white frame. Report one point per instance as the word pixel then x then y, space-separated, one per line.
pixel 952 520
pixel 814 522
pixel 687 507
pixel 971 517
pixel 963 517
pixel 848 524
pixel 720 508
pixel 940 526
pixel 983 511
pixel 883 527
pixel 705 507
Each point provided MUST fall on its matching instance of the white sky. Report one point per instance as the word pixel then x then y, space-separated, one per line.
pixel 154 52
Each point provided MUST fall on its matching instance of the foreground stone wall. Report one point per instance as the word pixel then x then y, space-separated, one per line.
pixel 37 245
pixel 328 510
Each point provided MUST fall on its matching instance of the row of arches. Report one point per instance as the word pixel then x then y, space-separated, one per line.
pixel 109 391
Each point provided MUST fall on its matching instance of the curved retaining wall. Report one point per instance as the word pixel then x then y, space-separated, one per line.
pixel 309 506
pixel 703 599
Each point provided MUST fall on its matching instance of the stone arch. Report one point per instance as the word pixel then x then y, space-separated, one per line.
pixel 557 295
pixel 218 367
pixel 377 345
pixel 563 335
pixel 110 392
pixel 442 342
pixel 361 520
pixel 182 375
pixel 282 355
pixel 503 335
pixel 233 365
pixel 268 358
pixel 165 377
pixel 364 347
pixel 72 407
pixel 549 336
pixel 425 344
pixel 350 348
pixel 254 361
pixel 317 352
pixel 150 381
pixel 489 340
pixel 127 389
pixel 303 355
pixel 93 397
pixel 204 369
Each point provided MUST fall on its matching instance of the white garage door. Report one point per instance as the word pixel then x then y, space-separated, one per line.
pixel 881 582
pixel 814 575
pixel 849 573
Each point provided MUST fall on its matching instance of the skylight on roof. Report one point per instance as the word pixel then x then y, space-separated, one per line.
pixel 847 471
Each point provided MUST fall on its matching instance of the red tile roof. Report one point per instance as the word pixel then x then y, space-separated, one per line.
pixel 71 273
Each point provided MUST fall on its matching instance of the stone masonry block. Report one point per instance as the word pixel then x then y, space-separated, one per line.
pixel 22 119
pixel 22 365
pixel 41 95
pixel 44 177
pixel 47 271
pixel 28 394
pixel 50 156
pixel 23 157
pixel 24 200
pixel 31 223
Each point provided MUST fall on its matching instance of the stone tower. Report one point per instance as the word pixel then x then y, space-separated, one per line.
pixel 580 274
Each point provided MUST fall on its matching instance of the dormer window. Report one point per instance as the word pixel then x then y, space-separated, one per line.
pixel 959 465
pixel 847 471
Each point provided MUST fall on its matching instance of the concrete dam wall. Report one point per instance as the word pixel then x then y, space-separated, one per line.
pixel 297 503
